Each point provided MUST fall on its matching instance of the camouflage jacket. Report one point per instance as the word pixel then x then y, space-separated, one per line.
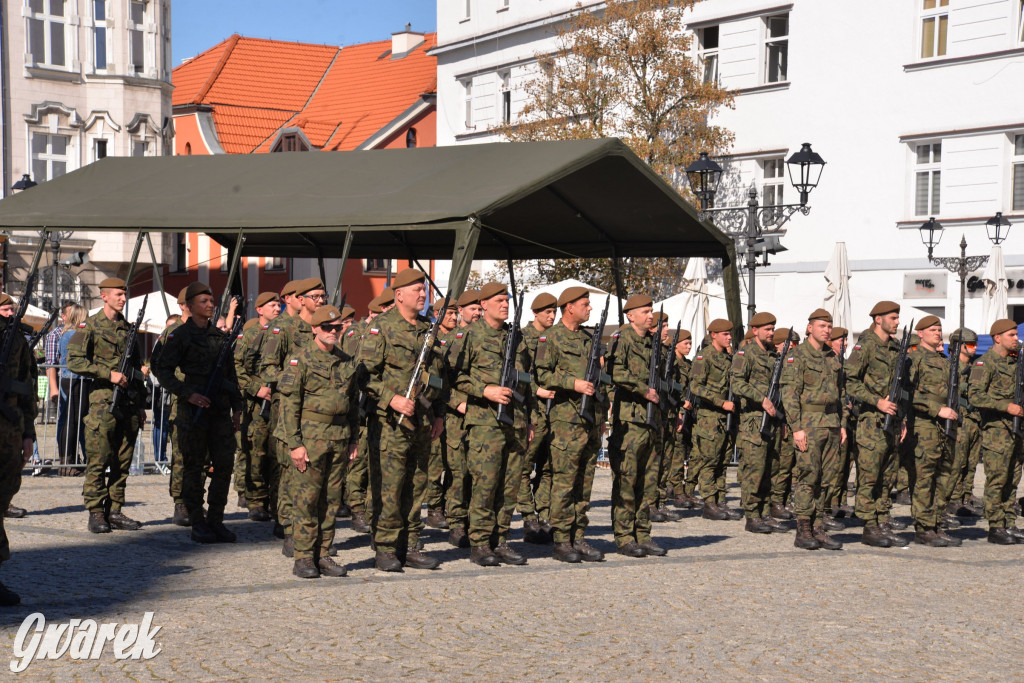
pixel 531 337
pixel 992 386
pixel 869 369
pixel 810 388
pixel 20 375
pixel 929 382
pixel 629 363
pixel 95 350
pixel 188 357
pixel 282 340
pixel 967 409
pixel 247 360
pixel 561 359
pixel 752 368
pixel 318 397
pixel 710 377
pixel 353 337
pixel 478 364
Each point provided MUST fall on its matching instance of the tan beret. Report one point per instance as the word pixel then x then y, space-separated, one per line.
pixel 684 335
pixel 387 297
pixel 6 300
pixel 820 314
pixel 197 288
pixel 181 296
pixel 749 334
pixel 469 297
pixel 782 333
pixel 492 289
pixel 113 283
pixel 659 317
pixel 838 333
pixel 1002 325
pixel 289 287
pixel 374 305
pixel 265 298
pixel 325 314
pixel 542 301
pixel 927 321
pixel 249 323
pixel 885 308
pixel 572 294
pixel 761 319
pixel 308 285
pixel 347 312
pixel 964 334
pixel 720 325
pixel 409 276
pixel 638 301
pixel 440 302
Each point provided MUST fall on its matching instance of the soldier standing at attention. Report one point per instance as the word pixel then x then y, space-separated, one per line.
pixel 439 476
pixel 562 355
pixel 318 420
pixel 957 497
pixel 836 504
pixel 993 379
pixel 633 448
pixel 95 351
pixel 180 516
pixel 674 472
pixel 933 450
pixel 810 396
pixel 494 448
pixel 535 493
pixel 710 382
pixel 869 373
pixel 254 433
pixel 664 442
pixel 782 469
pixel 405 425
pixel 752 369
pixel 207 438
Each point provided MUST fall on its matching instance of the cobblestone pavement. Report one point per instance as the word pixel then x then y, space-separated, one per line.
pixel 723 604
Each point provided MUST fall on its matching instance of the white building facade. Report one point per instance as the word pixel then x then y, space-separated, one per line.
pixel 916 105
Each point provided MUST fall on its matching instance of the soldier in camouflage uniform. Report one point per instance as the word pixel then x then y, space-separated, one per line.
pixel 633 448
pixel 933 450
pixel 282 340
pixel 782 469
pixel 710 378
pixel 254 434
pixel 357 480
pixel 958 497
pixel 180 516
pixel 207 437
pixel 406 424
pixel 495 447
pixel 561 362
pixel 95 351
pixel 814 413
pixel 674 472
pixel 318 422
pixel 664 441
pixel 439 475
pixel 535 488
pixel 836 505
pixel 869 373
pixel 17 428
pixel 993 379
pixel 752 369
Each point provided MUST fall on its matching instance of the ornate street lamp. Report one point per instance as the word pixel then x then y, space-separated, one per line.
pixel 998 228
pixel 704 176
pixel 805 169
pixel 25 183
pixel 928 236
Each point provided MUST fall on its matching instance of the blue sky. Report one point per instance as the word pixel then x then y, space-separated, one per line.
pixel 200 24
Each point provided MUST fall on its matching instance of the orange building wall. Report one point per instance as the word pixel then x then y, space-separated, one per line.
pixel 426 132
pixel 186 133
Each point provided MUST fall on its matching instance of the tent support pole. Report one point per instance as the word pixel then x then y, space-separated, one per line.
pixel 323 270
pixel 157 277
pixel 131 264
pixel 413 261
pixel 731 280
pixel 236 257
pixel 341 266
pixel 466 239
pixel 617 272
pixel 512 277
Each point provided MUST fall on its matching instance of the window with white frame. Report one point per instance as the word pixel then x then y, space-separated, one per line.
pixel 467 86
pixel 774 176
pixel 927 179
pixel 99 34
pixel 140 147
pixel 467 9
pixel 274 263
pixel 503 5
pixel 505 96
pixel 224 258
pixel 46 38
pixel 776 48
pixel 1018 172
pixel 179 263
pixel 707 52
pixel 99 149
pixel 165 24
pixel 49 156
pixel 137 34
pixel 934 28
pixel 375 266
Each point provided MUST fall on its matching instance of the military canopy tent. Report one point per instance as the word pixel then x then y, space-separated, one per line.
pixel 584 198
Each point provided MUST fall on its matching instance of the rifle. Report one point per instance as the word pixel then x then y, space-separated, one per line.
pixel 227 347
pixel 897 392
pixel 653 381
pixel 953 401
pixel 593 373
pixel 125 366
pixel 44 329
pixel 510 376
pixel 1018 391
pixel 11 332
pixel 686 418
pixel 668 384
pixel 424 357
pixel 774 390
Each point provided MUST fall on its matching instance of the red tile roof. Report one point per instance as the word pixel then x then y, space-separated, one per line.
pixel 338 97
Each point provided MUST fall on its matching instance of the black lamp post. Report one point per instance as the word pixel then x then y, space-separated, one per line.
pixel 704 176
pixel 25 183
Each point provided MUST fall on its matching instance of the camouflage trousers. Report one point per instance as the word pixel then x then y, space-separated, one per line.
pixel 1001 455
pixel 667 451
pixel 439 475
pixel 782 470
pixel 495 472
pixel 711 443
pixel 109 442
pixel 847 456
pixel 756 455
pixel 814 468
pixel 573 462
pixel 210 441
pixel 876 452
pixel 674 478
pixel 251 464
pixel 315 497
pixel 535 482
pixel 933 463
pixel 11 462
pixel 899 474
pixel 394 454
pixel 358 477
pixel 636 464
pixel 965 462
pixel 457 495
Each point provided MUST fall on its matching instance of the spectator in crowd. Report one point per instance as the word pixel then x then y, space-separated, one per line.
pixel 161 408
pixel 74 398
pixel 51 358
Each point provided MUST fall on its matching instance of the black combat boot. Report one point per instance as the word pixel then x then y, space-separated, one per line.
pixel 532 532
pixel 951 541
pixel 305 569
pixel 483 555
pixel 8 598
pixel 670 515
pixel 1000 537
pixel 98 522
pixel 15 512
pixel 343 511
pixel 657 516
pixel 201 531
pixel 804 536
pixel 120 521
pixel 223 534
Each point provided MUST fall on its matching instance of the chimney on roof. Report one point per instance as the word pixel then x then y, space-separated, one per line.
pixel 404 41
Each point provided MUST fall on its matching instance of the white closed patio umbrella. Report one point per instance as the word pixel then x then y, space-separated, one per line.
pixel 695 311
pixel 837 290
pixel 994 300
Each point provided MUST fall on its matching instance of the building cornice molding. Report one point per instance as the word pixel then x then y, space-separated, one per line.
pixel 962 132
pixel 51 107
pixel 512 30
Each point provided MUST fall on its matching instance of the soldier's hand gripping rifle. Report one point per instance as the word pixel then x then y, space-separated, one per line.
pixel 1018 390
pixel 593 373
pixel 669 387
pixel 125 365
pixel 225 355
pixel 897 390
pixel 774 391
pixel 43 330
pixel 510 375
pixel 953 402
pixel 421 361
pixel 653 368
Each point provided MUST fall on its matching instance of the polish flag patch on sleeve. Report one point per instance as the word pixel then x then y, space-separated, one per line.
pixel 81 325
pixel 238 337
pixel 276 330
pixel 350 333
pixel 460 335
pixel 374 330
pixel 740 353
pixel 543 339
pixel 981 362
pixel 699 358
pixel 293 361
pixel 856 346
pixel 790 359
